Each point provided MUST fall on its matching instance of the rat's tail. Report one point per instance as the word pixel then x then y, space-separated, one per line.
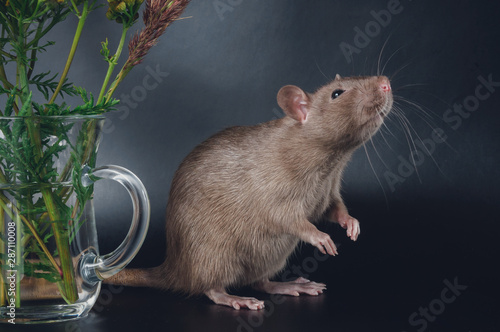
pixel 155 277
pixel 151 277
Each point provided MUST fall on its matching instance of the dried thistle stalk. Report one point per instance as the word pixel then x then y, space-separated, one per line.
pixel 158 15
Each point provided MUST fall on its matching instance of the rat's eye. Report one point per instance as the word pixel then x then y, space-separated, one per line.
pixel 337 93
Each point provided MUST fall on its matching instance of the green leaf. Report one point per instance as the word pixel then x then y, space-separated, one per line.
pixel 105 50
pixel 47 86
pixel 26 106
pixel 9 104
pixel 47 237
pixel 87 108
pixel 79 223
pixel 41 270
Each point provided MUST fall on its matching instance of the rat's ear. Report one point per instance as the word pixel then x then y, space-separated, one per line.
pixel 294 102
pixel 337 77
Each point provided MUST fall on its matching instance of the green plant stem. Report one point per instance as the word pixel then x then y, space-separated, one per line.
pixel 22 78
pixel 2 177
pixel 60 16
pixel 28 237
pixel 22 81
pixel 19 259
pixel 81 22
pixel 3 252
pixel 119 78
pixel 112 63
pixel 40 32
pixel 3 78
pixel 34 49
pixel 6 54
pixel 15 211
pixel 7 85
pixel 75 7
pixel 60 235
pixel 89 149
pixel 3 293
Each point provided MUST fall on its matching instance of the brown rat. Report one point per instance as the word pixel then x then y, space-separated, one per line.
pixel 241 201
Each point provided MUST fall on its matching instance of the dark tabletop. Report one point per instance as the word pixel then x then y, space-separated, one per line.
pixel 397 277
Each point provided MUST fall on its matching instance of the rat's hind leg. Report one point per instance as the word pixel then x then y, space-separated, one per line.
pixel 294 288
pixel 219 296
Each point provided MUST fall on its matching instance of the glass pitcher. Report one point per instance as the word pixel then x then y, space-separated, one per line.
pixel 51 268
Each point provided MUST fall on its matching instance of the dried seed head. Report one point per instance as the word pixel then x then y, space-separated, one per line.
pixel 158 15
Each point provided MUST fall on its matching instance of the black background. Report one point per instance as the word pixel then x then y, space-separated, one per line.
pixel 225 68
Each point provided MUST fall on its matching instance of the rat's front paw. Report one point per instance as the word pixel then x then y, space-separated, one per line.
pixel 323 242
pixel 352 226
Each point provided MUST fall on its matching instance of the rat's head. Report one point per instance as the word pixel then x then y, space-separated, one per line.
pixel 346 111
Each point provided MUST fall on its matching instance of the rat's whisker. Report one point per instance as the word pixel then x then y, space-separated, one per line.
pixel 380 56
pixel 392 55
pixel 378 154
pixel 402 87
pixel 393 76
pixel 427 118
pixel 389 118
pixel 409 138
pixel 328 78
pixel 385 127
pixel 376 176
pixel 429 153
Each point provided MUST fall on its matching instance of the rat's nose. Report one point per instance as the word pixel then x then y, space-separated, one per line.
pixel 385 85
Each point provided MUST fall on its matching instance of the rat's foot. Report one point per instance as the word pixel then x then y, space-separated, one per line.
pixel 294 288
pixel 219 296
pixel 322 241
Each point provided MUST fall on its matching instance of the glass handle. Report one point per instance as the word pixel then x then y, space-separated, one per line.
pixel 95 268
